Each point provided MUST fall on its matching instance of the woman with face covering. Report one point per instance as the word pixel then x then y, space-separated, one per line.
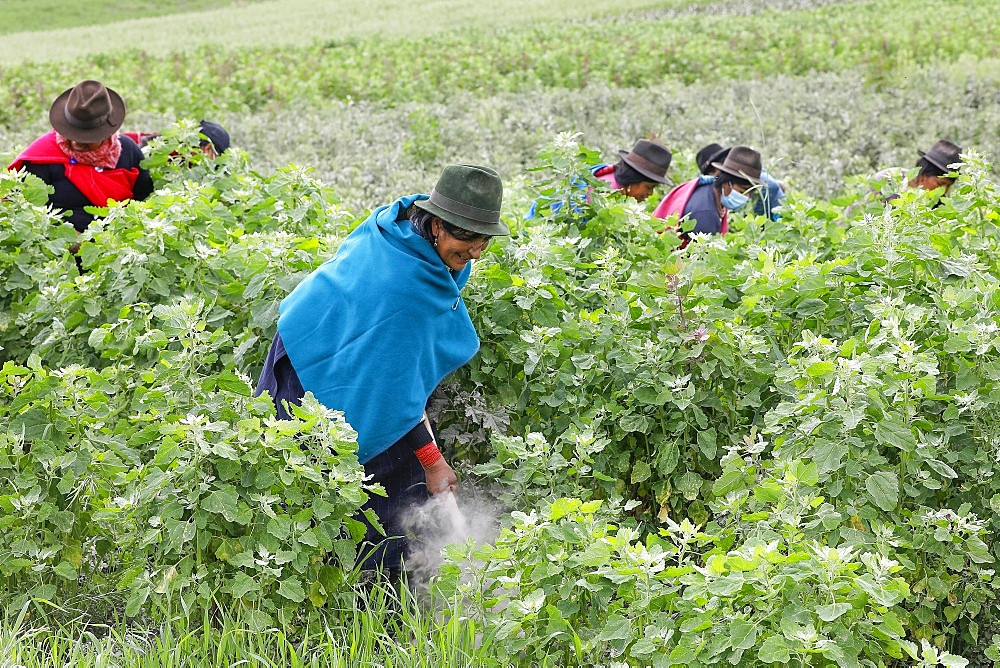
pixel 84 158
pixel 767 199
pixel 708 201
pixel 375 329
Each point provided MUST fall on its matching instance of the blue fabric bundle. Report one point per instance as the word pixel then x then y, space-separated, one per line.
pixel 375 329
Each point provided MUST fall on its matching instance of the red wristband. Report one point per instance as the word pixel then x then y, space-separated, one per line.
pixel 427 455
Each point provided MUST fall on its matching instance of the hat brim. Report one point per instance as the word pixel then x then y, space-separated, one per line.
pixel 497 229
pixel 740 175
pixel 656 178
pixel 57 117
pixel 937 163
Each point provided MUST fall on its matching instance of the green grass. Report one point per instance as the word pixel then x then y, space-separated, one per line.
pixel 34 15
pixel 283 23
pixel 381 628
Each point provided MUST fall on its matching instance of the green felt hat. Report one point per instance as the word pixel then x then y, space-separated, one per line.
pixel 469 197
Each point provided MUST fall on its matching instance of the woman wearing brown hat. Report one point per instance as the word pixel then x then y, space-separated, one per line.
pixel 84 158
pixel 936 166
pixel 635 175
pixel 707 202
pixel 934 170
pixel 375 329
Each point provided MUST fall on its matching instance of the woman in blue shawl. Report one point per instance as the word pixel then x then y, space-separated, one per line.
pixel 374 330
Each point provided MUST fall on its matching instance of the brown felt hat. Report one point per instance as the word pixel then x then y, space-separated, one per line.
pixel 649 158
pixel 89 112
pixel 742 162
pixel 469 197
pixel 943 154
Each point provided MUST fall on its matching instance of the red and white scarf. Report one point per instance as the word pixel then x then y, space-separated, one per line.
pixel 104 156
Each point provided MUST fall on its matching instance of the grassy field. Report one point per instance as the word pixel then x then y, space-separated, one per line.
pixel 372 99
pixel 40 15
pixel 863 89
pixel 281 23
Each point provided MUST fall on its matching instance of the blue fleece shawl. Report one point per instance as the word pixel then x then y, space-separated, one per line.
pixel 373 330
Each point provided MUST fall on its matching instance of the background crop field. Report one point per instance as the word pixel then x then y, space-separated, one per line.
pixel 181 25
pixel 36 15
pixel 826 89
pixel 816 392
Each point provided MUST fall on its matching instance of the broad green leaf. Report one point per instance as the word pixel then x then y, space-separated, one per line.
pixel 616 628
pixel 65 570
pixel 292 590
pixel 883 487
pixel 743 634
pixel 222 502
pixel 893 433
pixel 640 472
pixel 136 600
pixel 707 443
pixel 232 383
pixel 828 613
pixel 563 507
pixel 242 584
pixel 774 650
pixel 818 369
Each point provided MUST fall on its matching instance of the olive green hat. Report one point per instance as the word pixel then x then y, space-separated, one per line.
pixel 469 197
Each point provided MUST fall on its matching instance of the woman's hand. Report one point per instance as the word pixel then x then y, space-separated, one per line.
pixel 441 478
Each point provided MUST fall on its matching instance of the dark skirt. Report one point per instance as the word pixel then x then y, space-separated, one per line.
pixel 397 469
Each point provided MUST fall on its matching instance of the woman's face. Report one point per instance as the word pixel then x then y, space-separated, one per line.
pixel 640 191
pixel 932 182
pixel 84 147
pixel 456 253
pixel 738 187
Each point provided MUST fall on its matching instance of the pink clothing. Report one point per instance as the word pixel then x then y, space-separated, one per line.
pixel 607 174
pixel 677 200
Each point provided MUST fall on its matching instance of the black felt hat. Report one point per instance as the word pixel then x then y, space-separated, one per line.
pixel 709 154
pixel 943 154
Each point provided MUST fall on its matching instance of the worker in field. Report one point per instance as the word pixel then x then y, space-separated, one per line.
pixel 375 329
pixel 936 168
pixel 767 199
pixel 85 158
pixel 214 139
pixel 707 200
pixel 635 175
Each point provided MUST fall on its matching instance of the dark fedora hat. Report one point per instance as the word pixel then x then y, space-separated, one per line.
pixel 88 112
pixel 742 162
pixel 709 154
pixel 943 154
pixel 649 158
pixel 469 197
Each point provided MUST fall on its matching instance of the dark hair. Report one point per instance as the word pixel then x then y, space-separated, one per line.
pixel 722 178
pixel 421 221
pixel 626 175
pixel 929 169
